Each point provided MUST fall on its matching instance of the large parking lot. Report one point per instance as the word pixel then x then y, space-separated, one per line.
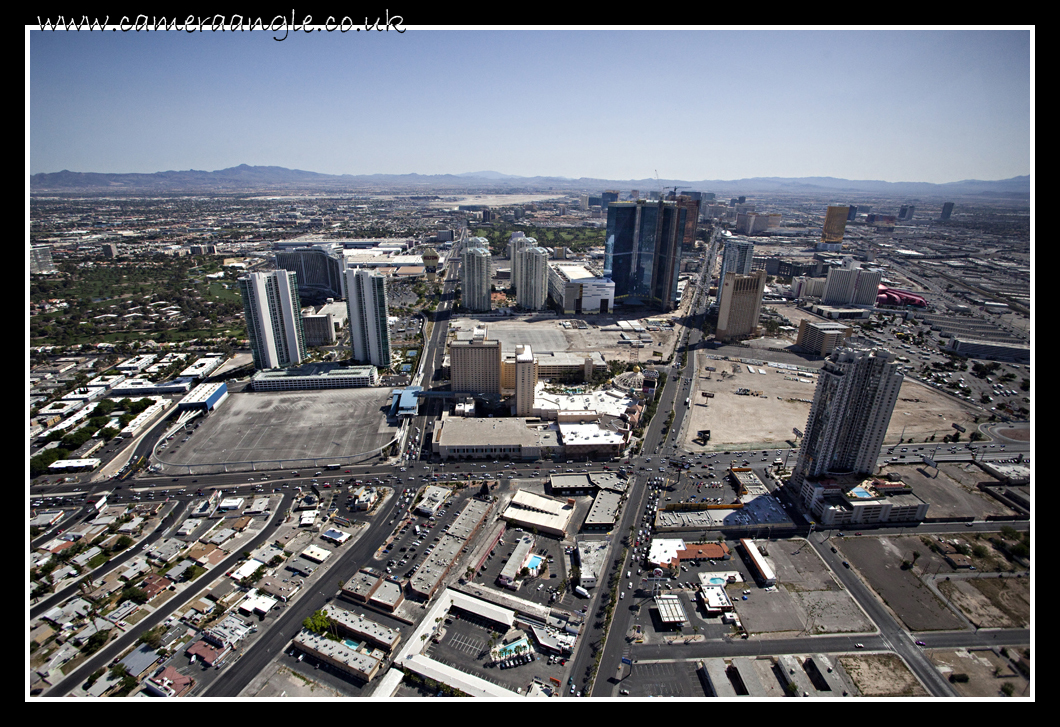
pixel 545 588
pixel 294 426
pixel 703 479
pixel 415 535
pixel 661 679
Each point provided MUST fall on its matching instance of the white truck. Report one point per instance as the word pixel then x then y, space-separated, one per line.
pixel 581 591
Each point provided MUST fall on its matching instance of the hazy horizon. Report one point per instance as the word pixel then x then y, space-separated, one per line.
pixel 889 105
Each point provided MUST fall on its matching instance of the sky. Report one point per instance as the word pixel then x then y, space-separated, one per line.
pixel 893 105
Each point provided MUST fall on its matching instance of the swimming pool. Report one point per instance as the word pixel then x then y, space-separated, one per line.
pixel 352 644
pixel 534 562
pixel 717 581
pixel 504 652
pixel 861 492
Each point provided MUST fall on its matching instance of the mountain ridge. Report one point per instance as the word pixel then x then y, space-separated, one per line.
pixel 245 177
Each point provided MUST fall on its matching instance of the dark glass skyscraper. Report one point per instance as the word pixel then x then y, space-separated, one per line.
pixel 319 269
pixel 643 250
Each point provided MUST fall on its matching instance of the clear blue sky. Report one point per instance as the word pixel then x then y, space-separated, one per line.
pixel 903 105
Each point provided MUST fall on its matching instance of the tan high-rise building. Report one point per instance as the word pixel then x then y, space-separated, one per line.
pixel 475 365
pixel 835 223
pixel 739 303
pixel 525 381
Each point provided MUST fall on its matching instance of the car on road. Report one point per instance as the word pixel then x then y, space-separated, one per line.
pixel 859 646
pixel 921 643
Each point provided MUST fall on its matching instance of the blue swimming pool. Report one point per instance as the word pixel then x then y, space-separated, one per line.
pixel 351 644
pixel 717 581
pixel 510 649
pixel 861 492
pixel 534 562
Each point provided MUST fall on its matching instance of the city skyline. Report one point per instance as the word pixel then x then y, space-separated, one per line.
pixel 896 105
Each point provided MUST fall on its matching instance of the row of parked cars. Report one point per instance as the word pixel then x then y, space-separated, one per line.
pixel 514 661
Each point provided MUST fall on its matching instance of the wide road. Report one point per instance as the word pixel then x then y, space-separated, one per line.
pixel 239 673
pixel 653 440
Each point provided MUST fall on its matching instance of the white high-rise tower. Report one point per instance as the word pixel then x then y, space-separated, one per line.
pixel 274 318
pixel 852 406
pixel 475 278
pixel 531 285
pixel 366 305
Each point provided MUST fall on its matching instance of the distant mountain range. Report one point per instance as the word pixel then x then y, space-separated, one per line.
pixel 246 178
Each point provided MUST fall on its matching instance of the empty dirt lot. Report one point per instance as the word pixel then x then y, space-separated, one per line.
pixel 812 592
pixel 768 420
pixel 991 602
pixel 878 560
pixel 882 675
pixel 987 671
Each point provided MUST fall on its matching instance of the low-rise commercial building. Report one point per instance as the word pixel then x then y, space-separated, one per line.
pixel 337 654
pixel 547 514
pixel 715 600
pixel 591 565
pixel 521 552
pixel 603 515
pixel 429 575
pixel 363 629
pixel 580 440
pixel 511 438
pixel 432 500
pixel 204 397
pixel 760 569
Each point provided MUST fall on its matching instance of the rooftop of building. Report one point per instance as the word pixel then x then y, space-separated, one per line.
pixel 361 625
pixel 318 370
pixel 454 431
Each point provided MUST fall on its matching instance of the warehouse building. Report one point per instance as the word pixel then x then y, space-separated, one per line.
pixel 989 350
